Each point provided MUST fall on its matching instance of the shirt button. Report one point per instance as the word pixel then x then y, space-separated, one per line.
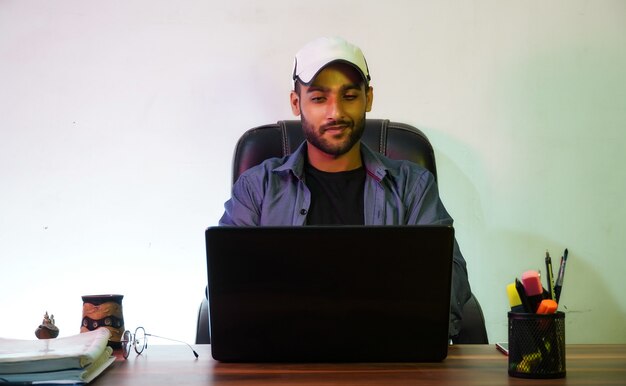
pixel 303 211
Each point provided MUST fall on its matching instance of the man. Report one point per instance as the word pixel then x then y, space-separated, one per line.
pixel 333 178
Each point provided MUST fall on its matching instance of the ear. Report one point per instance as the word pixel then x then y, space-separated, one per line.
pixel 370 98
pixel 295 103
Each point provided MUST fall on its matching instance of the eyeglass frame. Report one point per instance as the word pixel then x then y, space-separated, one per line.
pixel 129 338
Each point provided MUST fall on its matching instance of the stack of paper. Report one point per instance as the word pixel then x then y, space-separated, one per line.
pixel 73 359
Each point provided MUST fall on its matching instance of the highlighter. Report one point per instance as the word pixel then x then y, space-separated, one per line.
pixel 533 288
pixel 547 306
pixel 514 299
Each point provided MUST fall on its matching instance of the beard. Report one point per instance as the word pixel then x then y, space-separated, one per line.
pixel 353 131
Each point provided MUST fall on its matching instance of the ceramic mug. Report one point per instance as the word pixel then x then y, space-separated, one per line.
pixel 104 311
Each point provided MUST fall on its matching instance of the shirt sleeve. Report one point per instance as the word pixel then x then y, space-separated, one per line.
pixel 242 208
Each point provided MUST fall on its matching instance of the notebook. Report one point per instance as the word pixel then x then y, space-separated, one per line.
pixel 329 294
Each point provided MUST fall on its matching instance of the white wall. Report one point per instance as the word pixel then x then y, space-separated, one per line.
pixel 118 120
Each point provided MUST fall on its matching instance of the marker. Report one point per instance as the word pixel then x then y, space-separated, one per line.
pixel 522 295
pixel 550 278
pixel 533 288
pixel 559 280
pixel 547 306
pixel 514 299
pixel 544 292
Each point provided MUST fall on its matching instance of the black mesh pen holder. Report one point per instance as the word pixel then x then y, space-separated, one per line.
pixel 537 345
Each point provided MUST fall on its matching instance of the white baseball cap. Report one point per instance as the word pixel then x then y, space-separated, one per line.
pixel 321 52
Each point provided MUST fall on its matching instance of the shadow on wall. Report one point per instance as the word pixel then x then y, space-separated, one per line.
pixel 562 110
pixel 496 255
pixel 540 147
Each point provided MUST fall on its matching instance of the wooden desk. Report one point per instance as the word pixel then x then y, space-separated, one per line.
pixel 466 365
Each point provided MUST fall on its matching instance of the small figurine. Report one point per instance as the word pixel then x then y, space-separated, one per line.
pixel 47 329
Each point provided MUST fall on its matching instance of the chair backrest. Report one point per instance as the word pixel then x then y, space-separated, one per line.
pixel 395 140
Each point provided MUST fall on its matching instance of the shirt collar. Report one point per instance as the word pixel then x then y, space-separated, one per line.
pixel 372 162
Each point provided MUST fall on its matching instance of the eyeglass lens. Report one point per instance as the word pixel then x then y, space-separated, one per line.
pixel 140 340
pixel 127 342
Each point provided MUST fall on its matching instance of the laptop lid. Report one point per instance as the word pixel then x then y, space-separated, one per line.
pixel 332 293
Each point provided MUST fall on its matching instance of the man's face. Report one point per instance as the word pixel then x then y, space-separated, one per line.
pixel 332 109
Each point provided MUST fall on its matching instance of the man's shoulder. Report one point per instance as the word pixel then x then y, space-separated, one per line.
pixel 394 167
pixel 274 166
pixel 264 168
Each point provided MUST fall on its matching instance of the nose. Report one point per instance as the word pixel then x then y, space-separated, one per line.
pixel 334 110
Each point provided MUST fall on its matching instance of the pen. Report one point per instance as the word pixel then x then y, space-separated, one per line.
pixel 550 278
pixel 559 280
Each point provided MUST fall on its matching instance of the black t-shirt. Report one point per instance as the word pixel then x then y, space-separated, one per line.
pixel 336 198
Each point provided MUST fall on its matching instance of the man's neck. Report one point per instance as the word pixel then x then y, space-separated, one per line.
pixel 331 163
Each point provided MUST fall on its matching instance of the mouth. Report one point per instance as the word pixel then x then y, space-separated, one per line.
pixel 335 128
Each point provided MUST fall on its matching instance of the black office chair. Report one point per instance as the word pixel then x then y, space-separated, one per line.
pixel 473 329
pixel 395 140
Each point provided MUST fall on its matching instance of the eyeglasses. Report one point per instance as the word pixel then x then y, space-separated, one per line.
pixel 139 341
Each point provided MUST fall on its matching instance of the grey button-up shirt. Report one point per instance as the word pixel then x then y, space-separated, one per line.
pixel 396 193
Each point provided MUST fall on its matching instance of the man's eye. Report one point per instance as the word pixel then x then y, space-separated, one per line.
pixel 350 97
pixel 317 99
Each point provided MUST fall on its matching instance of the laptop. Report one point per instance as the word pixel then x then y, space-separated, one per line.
pixel 329 293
